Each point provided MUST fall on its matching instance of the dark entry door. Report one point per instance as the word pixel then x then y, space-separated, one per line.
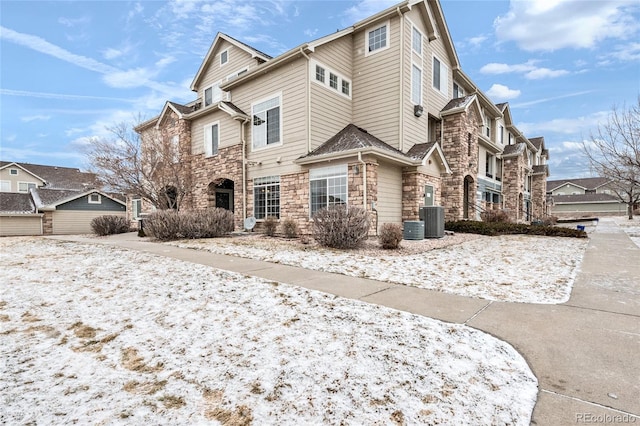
pixel 224 198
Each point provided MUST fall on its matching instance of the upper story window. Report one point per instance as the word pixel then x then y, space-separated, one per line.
pixel 458 91
pixel 25 186
pixel 501 134
pixel 335 81
pixel 95 199
pixel 211 139
pixel 212 94
pixel 13 172
pixel 5 186
pixel 416 41
pixel 440 76
pixel 489 166
pixel 224 57
pixel 416 85
pixel 267 122
pixel 486 125
pixel 237 74
pixel 377 39
pixel 319 74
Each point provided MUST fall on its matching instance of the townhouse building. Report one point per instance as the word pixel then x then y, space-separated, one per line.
pixel 378 115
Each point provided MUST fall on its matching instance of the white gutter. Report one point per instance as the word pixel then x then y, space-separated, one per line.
pixel 401 51
pixel 244 170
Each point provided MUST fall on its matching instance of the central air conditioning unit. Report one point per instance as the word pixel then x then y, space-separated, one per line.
pixel 433 218
pixel 413 230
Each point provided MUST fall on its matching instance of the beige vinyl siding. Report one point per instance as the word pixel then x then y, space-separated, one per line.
pixel 238 59
pixel 290 81
pixel 21 177
pixel 389 204
pixel 436 100
pixel 330 110
pixel 610 207
pixel 77 222
pixel 20 225
pixel 431 168
pixel 229 130
pixel 376 85
pixel 568 189
pixel 415 129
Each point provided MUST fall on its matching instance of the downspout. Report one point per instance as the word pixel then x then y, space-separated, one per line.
pixel 244 171
pixel 308 101
pixel 401 79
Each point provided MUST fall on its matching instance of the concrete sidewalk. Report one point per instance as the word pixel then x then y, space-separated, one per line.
pixel 585 353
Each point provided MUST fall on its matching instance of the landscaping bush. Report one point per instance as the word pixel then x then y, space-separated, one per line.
pixel 270 225
pixel 341 226
pixel 495 216
pixel 501 228
pixel 290 228
pixel 390 236
pixel 166 225
pixel 109 225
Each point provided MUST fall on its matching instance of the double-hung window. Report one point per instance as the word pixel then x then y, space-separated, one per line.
pixel 224 57
pixel 211 139
pixel 333 81
pixel 416 41
pixel 136 205
pixel 25 186
pixel 319 73
pixel 377 39
pixel 5 186
pixel 266 197
pixel 440 76
pixel 267 122
pixel 328 187
pixel 416 85
pixel 489 166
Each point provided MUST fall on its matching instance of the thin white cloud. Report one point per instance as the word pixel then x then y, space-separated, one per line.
pixel 364 9
pixel 72 22
pixel 31 118
pixel 567 126
pixel 62 96
pixel 549 25
pixel 528 69
pixel 499 92
pixel 311 33
pixel 554 98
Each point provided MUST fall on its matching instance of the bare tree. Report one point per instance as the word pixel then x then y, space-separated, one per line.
pixel 613 152
pixel 148 166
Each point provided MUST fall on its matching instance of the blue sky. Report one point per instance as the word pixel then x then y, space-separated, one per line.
pixel 70 69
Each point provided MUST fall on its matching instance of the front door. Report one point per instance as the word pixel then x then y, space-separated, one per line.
pixel 224 198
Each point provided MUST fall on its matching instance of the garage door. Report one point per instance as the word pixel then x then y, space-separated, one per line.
pixel 77 222
pixel 20 225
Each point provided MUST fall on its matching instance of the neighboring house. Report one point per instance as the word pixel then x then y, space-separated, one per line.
pixel 41 200
pixel 584 198
pixel 378 115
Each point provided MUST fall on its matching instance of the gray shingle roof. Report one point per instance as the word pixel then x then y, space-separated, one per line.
pixel 60 177
pixel 11 202
pixel 351 138
pixel 541 169
pixel 234 107
pixel 584 198
pixel 182 108
pixel 419 150
pixel 587 183
pixel 514 150
pixel 47 197
pixel 458 103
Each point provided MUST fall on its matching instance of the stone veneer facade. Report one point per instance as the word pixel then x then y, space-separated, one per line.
pixel 413 183
pixel 513 174
pixel 538 195
pixel 460 147
pixel 47 223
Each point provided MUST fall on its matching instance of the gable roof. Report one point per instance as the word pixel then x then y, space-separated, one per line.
pixel 49 199
pixel 514 150
pixel 353 140
pixel 14 202
pixel 584 183
pixel 455 106
pixel 6 165
pixel 541 169
pixel 423 151
pixel 220 37
pixel 585 198
pixel 56 177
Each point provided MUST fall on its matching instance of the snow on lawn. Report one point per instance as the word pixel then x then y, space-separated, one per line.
pixel 97 334
pixel 631 227
pixel 512 268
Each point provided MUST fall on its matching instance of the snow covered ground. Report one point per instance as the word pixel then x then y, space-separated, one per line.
pixel 631 227
pixel 512 268
pixel 93 334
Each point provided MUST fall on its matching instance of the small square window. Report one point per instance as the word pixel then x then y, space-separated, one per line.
pixel 95 199
pixel 224 57
pixel 13 172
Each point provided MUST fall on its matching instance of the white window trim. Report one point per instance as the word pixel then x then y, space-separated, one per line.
pixel 366 39
pixel 414 28
pixel 444 68
pixel 6 183
pixel 26 183
pixel 227 61
pixel 325 173
pixel 213 102
pixel 11 172
pixel 136 212
pixel 98 201
pixel 264 181
pixel 327 79
pixel 237 74
pixel 259 101
pixel 421 83
pixel 207 144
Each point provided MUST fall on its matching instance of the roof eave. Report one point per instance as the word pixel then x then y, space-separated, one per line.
pixel 354 152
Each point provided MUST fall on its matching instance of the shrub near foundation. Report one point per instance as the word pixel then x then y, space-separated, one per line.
pixel 502 228
pixel 390 236
pixel 109 225
pixel 166 225
pixel 270 225
pixel 341 227
pixel 290 228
